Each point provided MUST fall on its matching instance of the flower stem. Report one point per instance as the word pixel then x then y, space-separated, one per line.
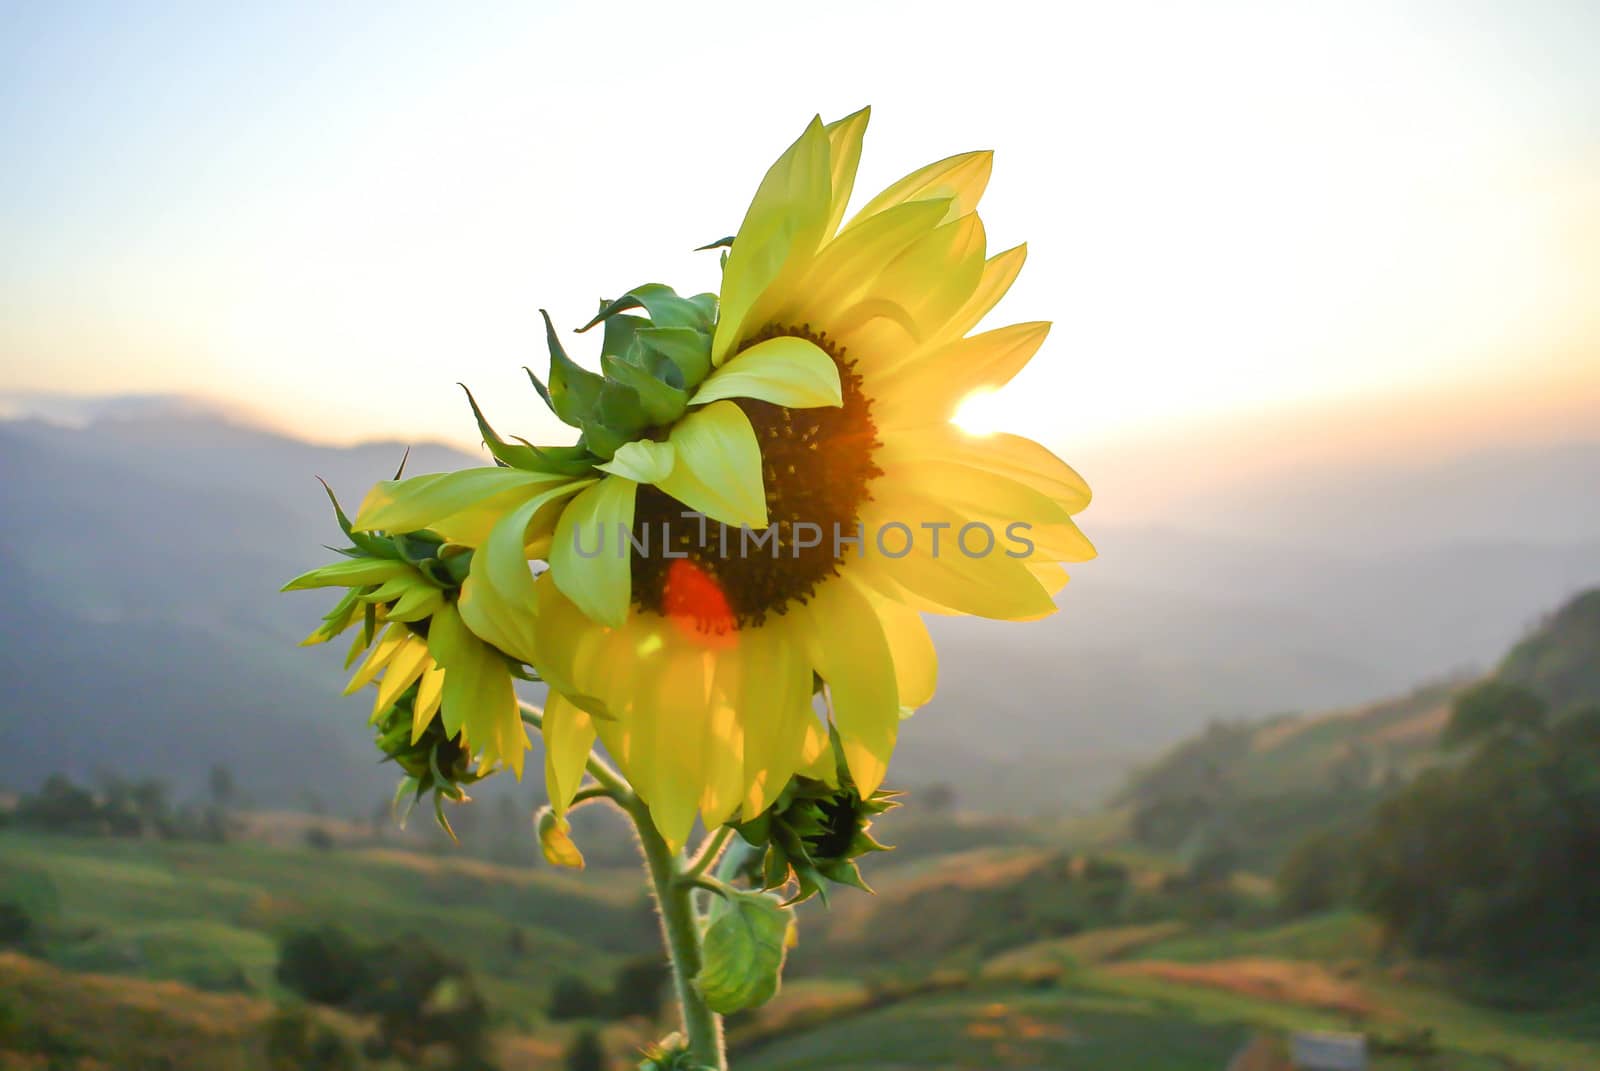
pixel 681 929
pixel 709 852
pixel 680 926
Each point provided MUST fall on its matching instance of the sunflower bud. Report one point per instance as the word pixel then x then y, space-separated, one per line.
pixel 671 1053
pixel 555 840
pixel 813 833
pixel 433 761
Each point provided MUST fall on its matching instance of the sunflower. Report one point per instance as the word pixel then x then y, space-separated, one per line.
pixel 452 690
pixel 766 495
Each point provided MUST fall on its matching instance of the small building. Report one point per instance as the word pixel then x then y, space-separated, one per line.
pixel 1327 1051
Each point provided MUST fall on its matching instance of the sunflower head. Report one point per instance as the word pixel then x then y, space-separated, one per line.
pixel 444 708
pixel 813 834
pixel 766 490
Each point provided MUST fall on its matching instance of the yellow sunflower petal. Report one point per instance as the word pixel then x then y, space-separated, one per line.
pixel 844 153
pixel 388 645
pixel 589 558
pixel 999 272
pixel 787 371
pixel 497 598
pixel 781 230
pixel 962 178
pixel 723 775
pixel 719 467
pixel 668 752
pixel 643 461
pixel 847 646
pixel 931 389
pixel 403 670
pixel 927 282
pixel 988 585
pixel 916 663
pixel 415 504
pixel 817 760
pixel 429 693
pixel 774 704
pixel 569 648
pixel 845 268
pixel 1011 456
pixel 1050 575
pixel 478 696
pixel 1003 514
pixel 568 736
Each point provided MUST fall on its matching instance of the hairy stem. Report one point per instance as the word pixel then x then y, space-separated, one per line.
pixel 709 852
pixel 680 925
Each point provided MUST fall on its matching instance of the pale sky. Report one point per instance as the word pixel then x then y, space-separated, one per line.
pixel 332 213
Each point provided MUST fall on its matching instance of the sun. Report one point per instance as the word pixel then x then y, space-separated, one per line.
pixel 980 413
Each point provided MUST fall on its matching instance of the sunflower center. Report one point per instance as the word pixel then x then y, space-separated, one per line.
pixel 815 467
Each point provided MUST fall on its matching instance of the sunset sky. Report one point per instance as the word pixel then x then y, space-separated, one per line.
pixel 329 214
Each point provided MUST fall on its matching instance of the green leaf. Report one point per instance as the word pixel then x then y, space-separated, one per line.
pixel 745 945
pixel 574 390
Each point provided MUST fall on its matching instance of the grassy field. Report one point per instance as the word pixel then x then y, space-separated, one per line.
pixel 210 915
pixel 176 944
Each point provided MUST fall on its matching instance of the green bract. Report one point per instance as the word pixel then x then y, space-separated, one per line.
pixel 650 368
pixel 813 834
pixel 434 762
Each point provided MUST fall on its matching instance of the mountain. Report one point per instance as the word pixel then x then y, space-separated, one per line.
pixel 141 554
pixel 1266 784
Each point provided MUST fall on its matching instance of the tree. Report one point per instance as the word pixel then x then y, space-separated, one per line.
pixel 224 792
pixel 324 965
pixel 574 998
pixel 298 1041
pixel 1493 707
pixel 637 987
pixel 1491 860
pixel 1318 874
pixel 16 925
pixel 586 1053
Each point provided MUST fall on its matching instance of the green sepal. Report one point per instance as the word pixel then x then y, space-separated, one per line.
pixel 538 385
pixel 662 403
pixel 665 307
pixel 556 460
pixel 688 349
pixel 375 546
pixel 720 243
pixel 620 329
pixel 574 391
pixel 562 460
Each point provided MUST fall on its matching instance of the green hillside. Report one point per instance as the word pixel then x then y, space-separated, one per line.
pixel 210 915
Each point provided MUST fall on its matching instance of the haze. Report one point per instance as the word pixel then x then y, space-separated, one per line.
pixel 327 217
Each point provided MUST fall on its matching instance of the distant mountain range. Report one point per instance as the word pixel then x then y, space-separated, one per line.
pixel 141 553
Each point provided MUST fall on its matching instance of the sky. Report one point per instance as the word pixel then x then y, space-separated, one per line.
pixel 327 215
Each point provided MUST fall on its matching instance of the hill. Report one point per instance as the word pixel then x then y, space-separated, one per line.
pixel 142 552
pixel 1261 786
